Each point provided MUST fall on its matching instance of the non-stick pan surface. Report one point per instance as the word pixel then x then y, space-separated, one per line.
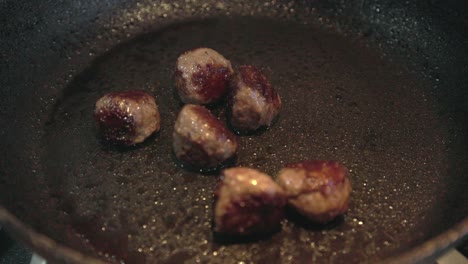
pixel 347 95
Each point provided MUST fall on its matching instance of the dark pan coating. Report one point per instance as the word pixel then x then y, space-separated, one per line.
pixel 398 124
pixel 329 113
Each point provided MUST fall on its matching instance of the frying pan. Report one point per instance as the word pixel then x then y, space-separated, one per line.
pixel 379 85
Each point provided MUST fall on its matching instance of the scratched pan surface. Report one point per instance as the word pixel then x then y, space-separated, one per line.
pixel 380 105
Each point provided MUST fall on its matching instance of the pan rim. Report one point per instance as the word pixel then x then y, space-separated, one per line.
pixel 40 243
pixel 49 248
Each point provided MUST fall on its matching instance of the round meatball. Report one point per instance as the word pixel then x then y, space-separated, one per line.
pixel 319 190
pixel 200 140
pixel 127 117
pixel 252 102
pixel 248 202
pixel 202 76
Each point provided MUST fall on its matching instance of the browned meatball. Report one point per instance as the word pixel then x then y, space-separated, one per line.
pixel 248 202
pixel 127 117
pixel 202 76
pixel 252 102
pixel 201 140
pixel 319 190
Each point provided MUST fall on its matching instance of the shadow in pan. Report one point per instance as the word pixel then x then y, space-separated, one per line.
pixel 301 221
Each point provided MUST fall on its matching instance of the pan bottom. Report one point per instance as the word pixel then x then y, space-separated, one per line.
pixel 341 100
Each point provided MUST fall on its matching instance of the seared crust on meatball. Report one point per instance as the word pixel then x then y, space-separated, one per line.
pixel 252 102
pixel 248 202
pixel 200 140
pixel 202 76
pixel 319 190
pixel 127 117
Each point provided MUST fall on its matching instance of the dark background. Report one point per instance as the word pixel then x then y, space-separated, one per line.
pixel 12 252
